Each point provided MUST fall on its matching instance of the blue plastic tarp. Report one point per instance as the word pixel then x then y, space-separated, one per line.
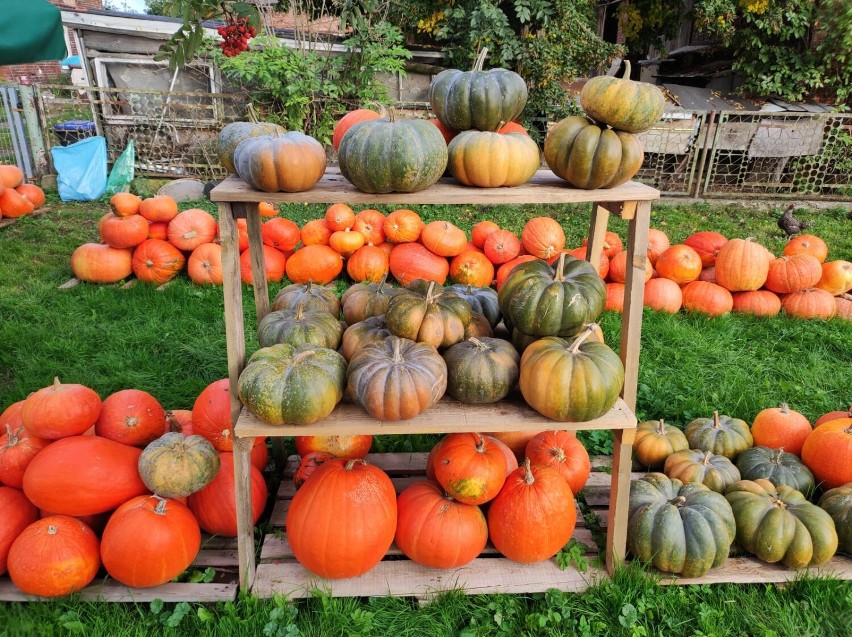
pixel 81 169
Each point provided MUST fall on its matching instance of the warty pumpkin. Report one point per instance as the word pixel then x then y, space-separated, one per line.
pixel 289 162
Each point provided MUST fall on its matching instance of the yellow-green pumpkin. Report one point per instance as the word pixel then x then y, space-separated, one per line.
pixel 176 466
pixel 632 107
pixel 299 326
pixel 290 162
pixel 723 435
pixel 426 313
pixel 309 295
pixel 363 300
pixel 716 473
pixel 491 160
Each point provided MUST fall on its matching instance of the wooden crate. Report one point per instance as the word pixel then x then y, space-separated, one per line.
pixel 217 552
pixel 280 574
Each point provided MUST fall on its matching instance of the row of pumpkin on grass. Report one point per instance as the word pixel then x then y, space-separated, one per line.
pixel 706 273
pixel 17 199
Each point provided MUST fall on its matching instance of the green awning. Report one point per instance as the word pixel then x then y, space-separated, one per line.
pixel 31 31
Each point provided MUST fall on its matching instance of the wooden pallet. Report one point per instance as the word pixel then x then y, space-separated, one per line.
pixel 5 223
pixel 280 574
pixel 217 552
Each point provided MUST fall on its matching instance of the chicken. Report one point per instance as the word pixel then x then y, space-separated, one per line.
pixel 790 224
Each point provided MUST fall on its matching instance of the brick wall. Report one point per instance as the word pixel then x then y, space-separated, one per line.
pixel 47 71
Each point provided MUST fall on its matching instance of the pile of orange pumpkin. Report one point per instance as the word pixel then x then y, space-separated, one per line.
pixel 17 199
pixel 437 522
pixel 81 479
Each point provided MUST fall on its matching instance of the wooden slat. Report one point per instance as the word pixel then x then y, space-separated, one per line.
pixel 405 578
pixel 35 213
pixel 543 188
pixel 748 570
pixel 446 416
pixel 217 557
pixel 70 283
pixel 112 591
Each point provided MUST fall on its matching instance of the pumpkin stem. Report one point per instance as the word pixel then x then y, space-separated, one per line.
pixel 382 281
pixel 480 59
pixel 479 344
pixel 56 383
pixel 661 427
pixel 679 501
pixel 706 459
pixel 785 409
pixel 528 476
pixel 300 311
pixel 480 443
pixel 469 289
pixel 51 530
pixel 776 455
pixel 252 114
pixel 352 462
pixel 778 502
pixel 581 337
pixel 397 356
pixel 430 297
pixel 308 286
pixel 560 264
pixel 626 74
pixel 716 423
pixel 160 509
pixel 391 114
pixel 174 425
pixel 558 453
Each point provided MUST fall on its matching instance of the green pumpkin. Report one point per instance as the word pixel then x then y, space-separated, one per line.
pixel 299 326
pixel 570 381
pixel 309 295
pixel 588 156
pixel 542 301
pixel 363 300
pixel 425 313
pixel 777 466
pixel 723 435
pixel 716 473
pixel 481 370
pixel 837 503
pixel 363 333
pixel 521 341
pixel 477 99
pixel 780 525
pixel 482 300
pixel 176 466
pixel 679 528
pixel 235 132
pixel 290 385
pixel 632 107
pixel 389 155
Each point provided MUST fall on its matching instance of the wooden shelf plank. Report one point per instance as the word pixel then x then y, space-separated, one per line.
pixel 112 591
pixel 543 188
pixel 749 570
pixel 447 416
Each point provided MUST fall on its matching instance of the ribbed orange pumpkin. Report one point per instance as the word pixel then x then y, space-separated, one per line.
pixel 82 475
pixel 18 514
pixel 562 451
pixel 124 204
pixel 410 261
pixel 315 263
pixel 612 244
pixel 618 268
pixel 470 467
pixel 17 446
pixel 354 446
pixel 793 274
pixel 533 516
pixel 156 261
pixel 99 263
pixel 211 415
pixel 443 238
pixel 436 531
pixel 60 410
pixel 472 268
pixel 132 417
pixel 707 298
pixel 807 244
pixel 542 237
pixel 742 265
pixel 371 224
pixel 403 226
pixel 680 263
pixel 502 246
pixel 368 263
pixel 355 499
pixel 780 428
pixel 55 556
pixel 658 242
pixel 836 277
pixel 811 303
pixel 504 270
pixel 827 452
pixel 159 208
pixel 31 193
pixel 274 263
pixel 215 506
pixel 346 241
pixel 171 541
pixel 316 232
pixel 204 265
pixel 339 216
pixel 757 302
pixel 707 244
pixel 123 232
pixel 190 228
pixel 615 297
pixel 663 295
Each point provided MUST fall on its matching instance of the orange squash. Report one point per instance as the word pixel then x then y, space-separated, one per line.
pixel 410 261
pixel 371 224
pixel 562 451
pixel 204 265
pixel 191 228
pixel 827 452
pixel 18 514
pixel 757 303
pixel 368 263
pixel 60 410
pixel 707 298
pixel 836 277
pixel 793 274
pixel 281 234
pixel 32 193
pixel 811 303
pixel 99 263
pixel 159 208
pixel 316 232
pixel 443 238
pixel 339 216
pixel 13 205
pixel 807 244
pixel 314 263
pixel 124 204
pixel 132 417
pixel 663 295
pixel 680 263
pixel 402 226
pixel 501 246
pixel 742 265
pixel 707 244
pixel 17 446
pixel 155 261
pixel 10 176
pixel 780 428
pixel 274 263
pixel 472 268
pixel 123 232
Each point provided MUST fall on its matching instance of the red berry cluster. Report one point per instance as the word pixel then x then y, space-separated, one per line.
pixel 235 37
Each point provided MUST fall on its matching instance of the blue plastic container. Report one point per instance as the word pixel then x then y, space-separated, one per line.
pixel 73 131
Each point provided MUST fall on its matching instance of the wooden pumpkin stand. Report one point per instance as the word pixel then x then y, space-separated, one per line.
pixel 606 493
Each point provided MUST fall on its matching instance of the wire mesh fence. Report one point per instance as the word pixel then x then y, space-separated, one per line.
pixel 672 150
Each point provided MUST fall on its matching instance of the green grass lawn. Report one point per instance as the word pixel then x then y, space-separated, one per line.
pixel 171 343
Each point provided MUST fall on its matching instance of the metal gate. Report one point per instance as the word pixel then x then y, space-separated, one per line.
pixel 13 139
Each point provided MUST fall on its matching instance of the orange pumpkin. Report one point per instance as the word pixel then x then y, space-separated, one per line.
pixel 504 270
pixel 267 209
pixel 348 121
pixel 707 298
pixel 60 410
pixel 211 415
pixel 472 268
pixel 346 241
pixel 516 441
pixel 658 242
pixel 18 514
pixel 402 226
pixel 158 230
pixel 443 238
pixel 123 232
pixel 99 263
pixel 205 264
pixel 354 446
pixel 470 467
pixel 844 307
pixel 17 446
pixel 501 246
pixel 215 506
pixel 612 244
pixel 680 263
pixel 31 193
pixel 368 263
pixel 315 263
pixel 190 228
pixel 480 231
pixel 410 261
pixel 159 208
pixel 827 452
pixel 835 277
pixel 124 204
pixel 274 262
pixel 603 264
pixel 14 205
pixel 316 232
pixel 309 463
pixel 339 216
pixel 371 224
pixel 807 244
pixel 132 417
pixel 618 268
pixel 811 303
pixel 615 297
pixel 10 176
pixel 833 415
pixel 179 421
pixel 289 162
pixel 793 273
pixel 707 244
pixel 562 451
pixel 757 303
pixel 663 295
pixel 780 428
pixel 708 274
pixel 156 261
pixel 446 132
pixel 742 265
pixel 242 235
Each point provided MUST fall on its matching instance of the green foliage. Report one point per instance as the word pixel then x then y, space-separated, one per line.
pixel 549 42
pixel 647 23
pixel 573 553
pixel 773 44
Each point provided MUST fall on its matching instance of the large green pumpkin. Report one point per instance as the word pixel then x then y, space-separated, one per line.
pixel 396 379
pixel 477 99
pixel 679 528
pixel 716 473
pixel 837 503
pixel 482 300
pixel 391 155
pixel 235 132
pixel 299 326
pixel 425 313
pixel 589 156
pixel 290 385
pixel 291 162
pixel 176 466
pixel 780 525
pixel 570 381
pixel 543 301
pixel 363 300
pixel 481 370
pixel 309 295
pixel 632 107
pixel 777 466
pixel 723 435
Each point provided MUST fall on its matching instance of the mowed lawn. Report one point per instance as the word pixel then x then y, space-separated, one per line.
pixel 171 343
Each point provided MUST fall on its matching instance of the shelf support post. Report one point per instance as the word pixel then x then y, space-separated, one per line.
pixel 245 523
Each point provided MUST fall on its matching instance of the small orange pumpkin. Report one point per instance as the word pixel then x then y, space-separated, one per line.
pixel 346 241
pixel 368 263
pixel 663 295
pixel 159 208
pixel 827 452
pixel 402 226
pixel 190 228
pixel 757 303
pixel 472 268
pixel 780 428
pixel 124 204
pixel 316 232
pixel 707 298
pixel 123 232
pixel 480 231
pixel 339 216
pixel 156 261
pixel 315 263
pixel 680 263
pixel 836 277
pixel 274 263
pixel 204 266
pixel 807 244
pixel 811 303
pixel 443 238
pixel 32 193
pixel 371 224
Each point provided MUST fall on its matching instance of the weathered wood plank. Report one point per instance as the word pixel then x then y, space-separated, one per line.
pixel 216 557
pixel 70 283
pixel 543 188
pixel 749 570
pixel 112 591
pixel 35 213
